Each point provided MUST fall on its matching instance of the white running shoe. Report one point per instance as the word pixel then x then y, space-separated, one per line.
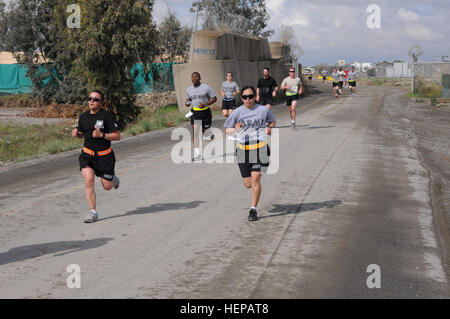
pixel 92 217
pixel 188 115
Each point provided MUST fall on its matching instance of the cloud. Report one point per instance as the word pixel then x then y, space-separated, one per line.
pixel 407 16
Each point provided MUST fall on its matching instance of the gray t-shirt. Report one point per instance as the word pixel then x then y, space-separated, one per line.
pixel 335 76
pixel 200 95
pixel 253 123
pixel 294 84
pixel 228 88
pixel 352 75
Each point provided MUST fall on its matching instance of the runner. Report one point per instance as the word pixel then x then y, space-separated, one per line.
pixel 266 90
pixel 324 76
pixel 229 91
pixel 294 88
pixel 352 76
pixel 98 128
pixel 335 77
pixel 310 76
pixel 346 78
pixel 249 124
pixel 341 80
pixel 201 96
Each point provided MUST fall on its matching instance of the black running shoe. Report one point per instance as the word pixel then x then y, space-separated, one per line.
pixel 252 215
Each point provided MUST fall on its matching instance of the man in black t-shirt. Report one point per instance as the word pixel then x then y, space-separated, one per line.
pixel 266 89
pixel 98 128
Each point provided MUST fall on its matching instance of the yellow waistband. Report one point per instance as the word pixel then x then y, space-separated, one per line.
pixel 252 147
pixel 199 109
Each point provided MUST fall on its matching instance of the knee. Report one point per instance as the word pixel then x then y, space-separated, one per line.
pixel 89 184
pixel 248 184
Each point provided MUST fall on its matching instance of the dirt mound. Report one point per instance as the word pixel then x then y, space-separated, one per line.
pixel 54 110
pixel 17 101
pixel 156 100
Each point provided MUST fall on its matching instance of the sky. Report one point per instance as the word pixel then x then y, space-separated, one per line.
pixel 332 30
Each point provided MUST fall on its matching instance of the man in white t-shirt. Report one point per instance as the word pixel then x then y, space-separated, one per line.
pixel 294 87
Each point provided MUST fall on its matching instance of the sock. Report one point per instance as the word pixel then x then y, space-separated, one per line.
pixel 94 211
pixel 293 121
pixel 197 151
pixel 252 208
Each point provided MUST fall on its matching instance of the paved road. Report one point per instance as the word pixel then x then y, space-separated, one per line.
pixel 344 198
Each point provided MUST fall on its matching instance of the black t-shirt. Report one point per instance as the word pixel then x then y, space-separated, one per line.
pixel 87 123
pixel 266 86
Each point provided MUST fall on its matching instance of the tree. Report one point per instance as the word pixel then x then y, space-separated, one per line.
pixel 173 38
pixel 3 25
pixel 114 36
pixel 241 16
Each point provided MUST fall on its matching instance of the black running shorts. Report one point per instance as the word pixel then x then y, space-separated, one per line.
pixel 204 116
pixel 290 98
pixel 102 165
pixel 352 84
pixel 335 84
pixel 228 105
pixel 253 160
pixel 264 100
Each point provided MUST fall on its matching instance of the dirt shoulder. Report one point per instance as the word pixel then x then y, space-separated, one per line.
pixel 426 128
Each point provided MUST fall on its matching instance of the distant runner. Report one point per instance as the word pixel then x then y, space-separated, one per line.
pixel 98 128
pixel 294 88
pixel 201 96
pixel 346 78
pixel 266 90
pixel 310 76
pixel 341 80
pixel 324 76
pixel 335 77
pixel 229 91
pixel 251 123
pixel 352 76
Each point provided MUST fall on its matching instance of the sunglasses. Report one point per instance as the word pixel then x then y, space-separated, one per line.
pixel 93 99
pixel 291 71
pixel 248 97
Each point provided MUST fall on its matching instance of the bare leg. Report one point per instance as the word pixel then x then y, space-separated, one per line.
pixel 89 180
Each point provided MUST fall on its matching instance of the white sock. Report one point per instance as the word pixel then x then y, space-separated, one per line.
pixel 293 121
pixel 197 151
pixel 93 211
pixel 252 208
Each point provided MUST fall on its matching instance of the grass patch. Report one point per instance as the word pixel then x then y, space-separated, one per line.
pixel 18 143
pixel 150 120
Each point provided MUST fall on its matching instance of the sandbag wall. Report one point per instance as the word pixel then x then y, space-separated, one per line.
pixel 214 54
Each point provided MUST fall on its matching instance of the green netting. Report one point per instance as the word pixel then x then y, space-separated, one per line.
pixel 13 79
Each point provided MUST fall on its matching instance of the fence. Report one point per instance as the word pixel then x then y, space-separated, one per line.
pixel 431 71
pixel 13 79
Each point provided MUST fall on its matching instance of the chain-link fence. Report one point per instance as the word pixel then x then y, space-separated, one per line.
pixel 431 71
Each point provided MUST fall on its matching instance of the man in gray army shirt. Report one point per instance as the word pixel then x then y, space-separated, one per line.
pixel 248 123
pixel 352 76
pixel 201 96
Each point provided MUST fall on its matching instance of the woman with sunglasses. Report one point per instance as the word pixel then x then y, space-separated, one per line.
pixel 98 128
pixel 251 123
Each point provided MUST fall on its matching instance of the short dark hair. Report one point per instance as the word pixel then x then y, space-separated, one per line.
pixel 266 68
pixel 230 73
pixel 197 74
pixel 99 92
pixel 248 87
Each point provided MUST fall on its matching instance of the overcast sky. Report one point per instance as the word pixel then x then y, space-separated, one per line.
pixel 330 30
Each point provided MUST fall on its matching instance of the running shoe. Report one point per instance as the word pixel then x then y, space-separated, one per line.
pixel 293 125
pixel 188 115
pixel 92 217
pixel 252 215
pixel 116 182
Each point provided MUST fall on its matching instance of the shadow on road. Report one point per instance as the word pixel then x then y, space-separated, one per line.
pixel 316 127
pixel 156 208
pixel 280 210
pixel 38 250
